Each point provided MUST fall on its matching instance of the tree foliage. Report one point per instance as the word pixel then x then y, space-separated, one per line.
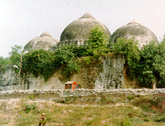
pixel 148 64
pixel 45 63
pixel 97 42
pixel 130 50
pixel 15 55
pixel 152 64
pixel 4 62
pixel 97 37
pixel 39 62
pixel 159 63
pixel 67 56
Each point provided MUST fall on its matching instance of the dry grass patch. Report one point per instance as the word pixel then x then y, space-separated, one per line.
pixel 27 112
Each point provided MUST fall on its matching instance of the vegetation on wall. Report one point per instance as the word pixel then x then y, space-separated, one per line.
pixel 67 56
pixel 151 66
pixel 44 63
pixel 147 65
pixel 39 63
pixel 97 42
pixel 130 50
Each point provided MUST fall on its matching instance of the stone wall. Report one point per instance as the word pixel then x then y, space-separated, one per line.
pixel 127 81
pixel 87 75
pixel 111 76
pixel 8 79
pixel 77 93
pixel 107 74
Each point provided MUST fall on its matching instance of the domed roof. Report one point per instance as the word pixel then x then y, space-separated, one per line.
pixel 44 41
pixel 80 29
pixel 136 31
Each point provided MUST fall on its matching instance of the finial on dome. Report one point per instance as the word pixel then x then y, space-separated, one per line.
pixel 45 34
pixel 133 22
pixel 87 15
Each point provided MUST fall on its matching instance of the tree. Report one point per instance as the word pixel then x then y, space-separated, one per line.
pixel 44 63
pixel 4 62
pixel 39 63
pixel 148 64
pixel 67 56
pixel 15 55
pixel 159 64
pixel 151 66
pixel 128 48
pixel 97 37
pixel 97 41
pixel 146 73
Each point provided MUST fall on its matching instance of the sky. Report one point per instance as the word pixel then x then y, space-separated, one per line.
pixel 23 20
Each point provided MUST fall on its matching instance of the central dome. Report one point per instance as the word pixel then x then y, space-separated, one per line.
pixel 79 30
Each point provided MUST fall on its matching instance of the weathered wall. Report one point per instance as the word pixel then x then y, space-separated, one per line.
pixel 8 79
pixel 127 81
pixel 39 83
pixel 87 75
pixel 108 74
pixel 111 76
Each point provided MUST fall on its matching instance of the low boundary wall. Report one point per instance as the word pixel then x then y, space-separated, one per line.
pixel 76 93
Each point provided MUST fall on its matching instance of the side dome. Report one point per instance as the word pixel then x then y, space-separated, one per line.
pixel 44 41
pixel 136 31
pixel 79 30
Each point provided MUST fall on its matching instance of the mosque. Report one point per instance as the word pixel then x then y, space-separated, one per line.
pixel 77 32
pixel 113 74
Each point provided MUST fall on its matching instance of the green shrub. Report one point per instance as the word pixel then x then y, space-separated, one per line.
pixel 147 120
pixel 126 122
pixel 157 101
pixel 160 118
pixel 31 96
pixel 106 100
pixel 130 97
pixel 29 107
pixel 147 64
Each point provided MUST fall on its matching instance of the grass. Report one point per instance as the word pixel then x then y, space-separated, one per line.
pixel 4 120
pixel 135 111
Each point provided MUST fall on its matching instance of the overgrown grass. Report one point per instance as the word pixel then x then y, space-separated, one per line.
pixel 4 120
pixel 150 103
pixel 103 99
pixel 90 111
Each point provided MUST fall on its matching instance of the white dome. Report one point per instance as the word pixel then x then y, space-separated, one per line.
pixel 44 41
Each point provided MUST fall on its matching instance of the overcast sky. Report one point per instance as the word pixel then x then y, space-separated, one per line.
pixel 23 20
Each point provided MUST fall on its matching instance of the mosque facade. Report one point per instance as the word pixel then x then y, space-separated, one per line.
pixel 77 33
